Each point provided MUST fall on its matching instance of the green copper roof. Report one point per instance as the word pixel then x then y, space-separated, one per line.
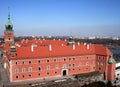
pixel 12 47
pixel 70 37
pixel 70 43
pixel 111 60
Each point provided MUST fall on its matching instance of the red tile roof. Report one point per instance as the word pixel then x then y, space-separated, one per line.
pixel 58 48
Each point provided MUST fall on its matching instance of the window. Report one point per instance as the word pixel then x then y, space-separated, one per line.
pixel 73 58
pixel 99 57
pixel 64 66
pixel 54 60
pixel 23 76
pixel 47 60
pixel 23 69
pixel 29 62
pixel 29 75
pixel 39 68
pixel 16 62
pixel 87 57
pixel 103 57
pixel 87 63
pixel 16 76
pixel 56 66
pixel 73 65
pixel 69 59
pixel 48 67
pixel 38 61
pixel 23 62
pixel 16 70
pixel 101 63
pixel 47 73
pixel 64 59
pixel 30 69
pixel 38 74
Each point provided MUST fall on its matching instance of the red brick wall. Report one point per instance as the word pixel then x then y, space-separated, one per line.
pixel 8 35
pixel 73 66
pixel 111 71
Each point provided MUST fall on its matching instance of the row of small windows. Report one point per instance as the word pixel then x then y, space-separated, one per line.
pixel 30 69
pixel 23 70
pixel 101 57
pixel 23 62
pixel 23 76
pixel 48 60
pixel 101 63
pixel 56 67
pixel 80 69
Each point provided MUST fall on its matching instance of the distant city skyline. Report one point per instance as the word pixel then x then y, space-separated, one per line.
pixel 62 17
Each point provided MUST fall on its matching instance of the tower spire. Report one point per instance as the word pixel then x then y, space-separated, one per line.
pixel 8 13
pixel 9 25
pixel 9 34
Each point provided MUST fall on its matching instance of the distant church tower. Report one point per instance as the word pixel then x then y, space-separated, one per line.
pixel 9 33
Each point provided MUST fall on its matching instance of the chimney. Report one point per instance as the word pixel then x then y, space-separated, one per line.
pixel 85 44
pixel 50 47
pixel 78 43
pixel 32 47
pixel 73 46
pixel 88 46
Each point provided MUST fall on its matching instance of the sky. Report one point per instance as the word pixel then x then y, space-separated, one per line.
pixel 62 17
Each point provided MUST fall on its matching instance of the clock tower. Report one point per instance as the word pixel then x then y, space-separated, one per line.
pixel 9 33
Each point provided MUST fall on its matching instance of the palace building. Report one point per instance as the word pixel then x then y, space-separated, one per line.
pixel 40 58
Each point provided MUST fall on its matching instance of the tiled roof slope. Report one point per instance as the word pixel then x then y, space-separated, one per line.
pixel 56 48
